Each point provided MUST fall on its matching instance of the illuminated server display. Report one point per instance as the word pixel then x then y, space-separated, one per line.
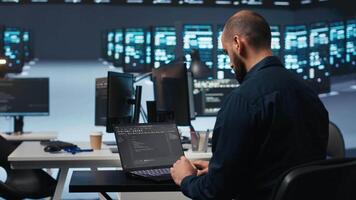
pixel 319 71
pixel 198 37
pixel 351 43
pixel 275 40
pixel 165 41
pixel 226 2
pixel 13 47
pixel 110 45
pixel 118 56
pixel 26 46
pixel 136 42
pixel 191 2
pixel 296 50
pixel 210 94
pixel 337 48
pixel 223 62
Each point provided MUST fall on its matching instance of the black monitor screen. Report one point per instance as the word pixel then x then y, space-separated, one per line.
pixel 172 92
pixel 223 68
pixel 120 92
pixel 351 43
pixel 24 97
pixel 337 48
pixel 199 37
pixel 275 40
pixel 210 94
pixel 165 42
pixel 319 69
pixel 101 98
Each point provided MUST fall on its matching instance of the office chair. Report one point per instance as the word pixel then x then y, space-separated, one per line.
pixel 332 179
pixel 336 144
pixel 23 183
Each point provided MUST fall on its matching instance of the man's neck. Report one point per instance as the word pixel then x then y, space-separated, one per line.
pixel 256 58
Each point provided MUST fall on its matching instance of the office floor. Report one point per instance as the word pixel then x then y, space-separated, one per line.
pixel 72 95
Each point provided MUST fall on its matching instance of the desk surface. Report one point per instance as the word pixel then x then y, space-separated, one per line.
pixel 31 136
pixel 115 181
pixel 30 155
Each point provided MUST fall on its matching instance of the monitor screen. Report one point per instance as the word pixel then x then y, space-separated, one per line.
pixel 13 48
pixel 136 49
pixel 165 42
pixel 351 43
pixel 118 48
pixel 210 94
pixel 296 49
pixel 101 98
pixel 26 38
pixel 318 74
pixel 199 37
pixel 120 91
pixel 172 92
pixel 24 97
pixel 275 40
pixel 337 48
pixel 223 62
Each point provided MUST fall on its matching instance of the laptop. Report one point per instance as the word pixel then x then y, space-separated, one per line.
pixel 148 150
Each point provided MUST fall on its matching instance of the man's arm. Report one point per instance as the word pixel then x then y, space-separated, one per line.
pixel 229 165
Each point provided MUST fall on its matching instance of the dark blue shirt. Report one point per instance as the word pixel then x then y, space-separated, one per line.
pixel 269 124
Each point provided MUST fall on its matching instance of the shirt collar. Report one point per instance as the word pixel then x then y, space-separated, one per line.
pixel 269 61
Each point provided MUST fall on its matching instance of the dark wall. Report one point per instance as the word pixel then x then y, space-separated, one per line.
pixel 74 31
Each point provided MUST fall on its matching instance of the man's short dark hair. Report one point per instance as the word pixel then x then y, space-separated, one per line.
pixel 252 26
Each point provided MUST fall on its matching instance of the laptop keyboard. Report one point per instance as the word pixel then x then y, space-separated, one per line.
pixel 152 172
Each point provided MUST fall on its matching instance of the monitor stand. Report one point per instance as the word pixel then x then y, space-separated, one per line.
pixel 18 124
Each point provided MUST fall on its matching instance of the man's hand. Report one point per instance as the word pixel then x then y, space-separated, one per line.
pixel 202 166
pixel 182 168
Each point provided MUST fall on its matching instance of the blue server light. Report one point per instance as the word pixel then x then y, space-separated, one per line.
pixel 165 41
pixel 13 47
pixel 351 43
pixel 118 47
pixel 198 37
pixel 223 62
pixel 337 47
pixel 137 50
pixel 295 48
pixel 275 40
pixel 319 70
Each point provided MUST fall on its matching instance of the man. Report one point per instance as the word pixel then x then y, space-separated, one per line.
pixel 269 124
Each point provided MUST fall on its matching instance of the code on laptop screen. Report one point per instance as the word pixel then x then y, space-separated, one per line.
pixel 148 145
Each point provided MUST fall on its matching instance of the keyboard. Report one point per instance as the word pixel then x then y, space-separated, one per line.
pixel 152 172
pixel 58 143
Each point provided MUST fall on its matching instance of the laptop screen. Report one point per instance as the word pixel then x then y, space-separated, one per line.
pixel 148 145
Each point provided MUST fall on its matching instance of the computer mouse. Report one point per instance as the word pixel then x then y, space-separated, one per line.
pixel 52 148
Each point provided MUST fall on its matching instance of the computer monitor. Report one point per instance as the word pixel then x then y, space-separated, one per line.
pixel 276 40
pixel 210 94
pixel 351 44
pixel 200 38
pixel 24 97
pixel 172 92
pixel 120 94
pixel 223 61
pixel 164 45
pixel 101 98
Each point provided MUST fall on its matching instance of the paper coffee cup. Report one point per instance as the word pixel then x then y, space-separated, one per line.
pixel 96 140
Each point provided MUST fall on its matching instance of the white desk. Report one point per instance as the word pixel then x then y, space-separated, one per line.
pixel 31 136
pixel 30 155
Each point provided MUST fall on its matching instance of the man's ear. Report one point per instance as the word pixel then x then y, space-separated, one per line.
pixel 237 43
